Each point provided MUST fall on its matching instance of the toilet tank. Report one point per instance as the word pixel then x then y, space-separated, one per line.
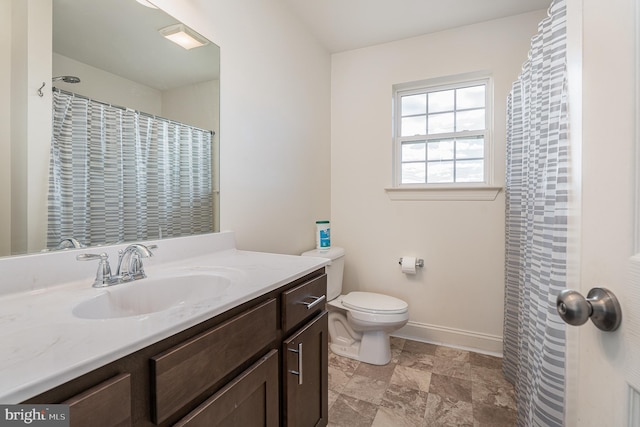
pixel 334 270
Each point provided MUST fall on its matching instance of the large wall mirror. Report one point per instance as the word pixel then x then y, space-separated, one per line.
pixel 115 53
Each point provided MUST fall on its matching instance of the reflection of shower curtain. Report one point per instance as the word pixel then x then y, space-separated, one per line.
pixel 119 175
pixel 536 226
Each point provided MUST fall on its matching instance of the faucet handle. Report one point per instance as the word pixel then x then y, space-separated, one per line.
pixel 130 262
pixel 103 275
pixel 88 257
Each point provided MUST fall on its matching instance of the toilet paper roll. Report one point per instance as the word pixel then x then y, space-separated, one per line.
pixel 409 265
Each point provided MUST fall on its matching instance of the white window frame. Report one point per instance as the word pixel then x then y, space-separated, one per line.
pixel 444 191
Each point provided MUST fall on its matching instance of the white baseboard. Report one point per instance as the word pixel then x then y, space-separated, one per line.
pixel 450 337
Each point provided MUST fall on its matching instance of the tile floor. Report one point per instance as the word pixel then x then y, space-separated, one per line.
pixel 424 385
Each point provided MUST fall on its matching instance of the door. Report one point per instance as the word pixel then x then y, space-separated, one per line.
pixel 603 368
pixel 305 358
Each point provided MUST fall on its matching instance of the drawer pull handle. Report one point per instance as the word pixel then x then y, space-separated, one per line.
pixel 316 301
pixel 299 371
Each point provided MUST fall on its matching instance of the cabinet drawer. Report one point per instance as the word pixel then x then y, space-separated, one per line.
pixel 303 301
pixel 249 400
pixel 182 373
pixel 106 405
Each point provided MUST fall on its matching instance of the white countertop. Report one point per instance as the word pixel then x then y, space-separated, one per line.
pixel 45 345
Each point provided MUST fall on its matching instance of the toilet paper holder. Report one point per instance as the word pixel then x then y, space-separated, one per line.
pixel 419 262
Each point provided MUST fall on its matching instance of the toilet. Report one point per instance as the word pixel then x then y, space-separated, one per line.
pixel 359 322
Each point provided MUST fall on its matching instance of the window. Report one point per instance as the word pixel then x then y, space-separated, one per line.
pixel 442 134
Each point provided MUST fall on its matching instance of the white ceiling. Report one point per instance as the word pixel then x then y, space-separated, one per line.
pixel 350 24
pixel 110 34
pixel 121 37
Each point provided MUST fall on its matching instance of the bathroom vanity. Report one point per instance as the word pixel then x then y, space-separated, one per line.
pixel 255 354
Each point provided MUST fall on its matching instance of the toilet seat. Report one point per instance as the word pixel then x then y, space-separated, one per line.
pixel 369 302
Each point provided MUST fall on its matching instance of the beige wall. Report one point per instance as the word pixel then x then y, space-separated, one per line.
pixel 274 121
pixel 30 64
pixel 106 87
pixel 458 297
pixel 5 127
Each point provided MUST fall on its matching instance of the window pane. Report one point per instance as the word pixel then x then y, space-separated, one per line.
pixel 438 172
pixel 414 104
pixel 441 101
pixel 470 148
pixel 414 126
pixel 413 151
pixel 470 171
pixel 470 120
pixel 413 173
pixel 441 123
pixel 470 97
pixel 440 150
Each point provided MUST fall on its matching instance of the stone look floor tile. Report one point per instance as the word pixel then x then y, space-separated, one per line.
pixel 376 372
pixel 447 412
pixel 488 375
pixel 344 364
pixel 337 379
pixel 425 385
pixel 452 368
pixel 333 396
pixel 411 378
pixel 350 412
pixel 366 389
pixel 501 396
pixel 405 404
pixel 492 416
pixel 452 388
pixel 485 361
pixel 416 360
pixel 419 347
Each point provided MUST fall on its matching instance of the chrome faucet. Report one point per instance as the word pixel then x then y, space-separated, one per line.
pixel 130 262
pixel 103 275
pixel 129 265
pixel 68 243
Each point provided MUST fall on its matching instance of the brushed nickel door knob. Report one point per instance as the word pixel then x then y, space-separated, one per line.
pixel 601 306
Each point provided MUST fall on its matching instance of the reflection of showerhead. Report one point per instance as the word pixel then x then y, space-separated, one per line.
pixel 67 79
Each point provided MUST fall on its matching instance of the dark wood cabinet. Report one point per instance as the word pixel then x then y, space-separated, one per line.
pixel 305 375
pixel 182 373
pixel 231 370
pixel 250 400
pixel 108 404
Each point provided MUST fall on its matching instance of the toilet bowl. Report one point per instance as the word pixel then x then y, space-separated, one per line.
pixel 359 322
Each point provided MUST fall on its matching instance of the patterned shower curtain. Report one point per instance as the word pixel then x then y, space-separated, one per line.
pixel 536 226
pixel 121 175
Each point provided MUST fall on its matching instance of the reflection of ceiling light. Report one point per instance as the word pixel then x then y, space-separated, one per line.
pixel 146 3
pixel 183 36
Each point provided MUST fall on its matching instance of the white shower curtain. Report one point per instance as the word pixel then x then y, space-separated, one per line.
pixel 536 226
pixel 121 175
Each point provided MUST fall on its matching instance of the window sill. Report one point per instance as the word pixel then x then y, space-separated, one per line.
pixel 484 193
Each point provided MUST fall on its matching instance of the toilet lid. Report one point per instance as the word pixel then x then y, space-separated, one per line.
pixel 374 303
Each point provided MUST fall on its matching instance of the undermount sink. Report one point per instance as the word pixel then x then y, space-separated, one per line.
pixel 152 295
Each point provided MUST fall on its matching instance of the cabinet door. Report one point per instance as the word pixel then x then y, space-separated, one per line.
pixel 305 383
pixel 250 400
pixel 106 405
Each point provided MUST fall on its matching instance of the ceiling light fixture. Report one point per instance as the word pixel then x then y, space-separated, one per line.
pixel 184 36
pixel 146 3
